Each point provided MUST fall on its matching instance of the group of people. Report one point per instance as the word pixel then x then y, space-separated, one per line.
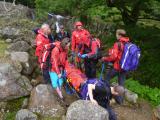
pixel 53 51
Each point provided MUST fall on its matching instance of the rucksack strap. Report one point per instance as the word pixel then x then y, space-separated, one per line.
pixel 102 70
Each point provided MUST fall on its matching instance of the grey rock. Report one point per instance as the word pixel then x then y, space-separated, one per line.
pixel 20 56
pixel 12 84
pixel 17 66
pixel 85 110
pixel 43 101
pixel 28 67
pixel 9 32
pixel 8 40
pixel 25 114
pixel 130 96
pixel 20 46
pixel 156 112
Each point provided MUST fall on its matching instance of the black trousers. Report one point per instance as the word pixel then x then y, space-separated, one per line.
pixel 90 67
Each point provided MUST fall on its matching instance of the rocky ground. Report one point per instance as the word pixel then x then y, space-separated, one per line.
pixel 22 96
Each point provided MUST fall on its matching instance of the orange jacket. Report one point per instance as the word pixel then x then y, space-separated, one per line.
pixel 58 58
pixel 115 53
pixel 78 36
pixel 75 76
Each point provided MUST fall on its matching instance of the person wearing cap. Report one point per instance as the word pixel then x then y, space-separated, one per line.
pixel 114 57
pixel 59 60
pixel 62 34
pixel 79 35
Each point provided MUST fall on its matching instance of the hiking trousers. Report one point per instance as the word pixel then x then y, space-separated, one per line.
pixel 121 79
pixel 90 68
pixel 46 76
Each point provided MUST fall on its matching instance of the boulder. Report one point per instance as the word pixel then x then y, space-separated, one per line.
pixel 8 40
pixel 9 32
pixel 43 101
pixel 12 84
pixel 20 46
pixel 17 66
pixel 25 114
pixel 156 112
pixel 28 67
pixel 20 56
pixel 131 96
pixel 85 110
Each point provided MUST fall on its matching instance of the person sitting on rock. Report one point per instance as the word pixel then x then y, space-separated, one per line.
pixel 58 61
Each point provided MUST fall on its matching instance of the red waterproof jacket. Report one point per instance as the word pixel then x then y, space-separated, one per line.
pixel 115 53
pixel 41 40
pixel 58 58
pixel 78 36
pixel 92 47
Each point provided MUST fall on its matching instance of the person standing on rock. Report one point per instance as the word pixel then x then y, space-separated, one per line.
pixel 114 57
pixel 78 36
pixel 59 60
pixel 42 40
pixel 61 34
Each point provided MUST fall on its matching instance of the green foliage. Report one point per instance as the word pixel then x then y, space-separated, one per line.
pixel 150 94
pixel 143 35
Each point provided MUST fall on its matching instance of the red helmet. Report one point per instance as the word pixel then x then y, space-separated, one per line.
pixel 78 24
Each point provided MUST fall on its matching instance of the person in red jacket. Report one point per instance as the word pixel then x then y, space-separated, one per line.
pixel 115 54
pixel 79 35
pixel 58 61
pixel 41 41
pixel 90 56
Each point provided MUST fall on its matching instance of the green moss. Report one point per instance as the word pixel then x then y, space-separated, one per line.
pixel 10 116
pixel 12 107
pixel 40 117
pixel 3 47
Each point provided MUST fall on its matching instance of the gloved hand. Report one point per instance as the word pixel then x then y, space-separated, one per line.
pixel 79 55
pixel 84 56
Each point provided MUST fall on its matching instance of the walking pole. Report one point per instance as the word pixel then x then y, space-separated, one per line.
pixel 102 70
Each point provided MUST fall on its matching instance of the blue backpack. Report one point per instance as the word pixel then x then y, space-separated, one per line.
pixel 130 57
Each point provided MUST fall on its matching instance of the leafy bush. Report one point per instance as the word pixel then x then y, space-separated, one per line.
pixel 150 94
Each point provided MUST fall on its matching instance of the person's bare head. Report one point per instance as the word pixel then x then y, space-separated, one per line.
pixel 46 29
pixel 120 33
pixel 118 90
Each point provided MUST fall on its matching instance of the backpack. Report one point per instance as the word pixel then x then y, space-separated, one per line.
pixel 84 88
pixel 130 57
